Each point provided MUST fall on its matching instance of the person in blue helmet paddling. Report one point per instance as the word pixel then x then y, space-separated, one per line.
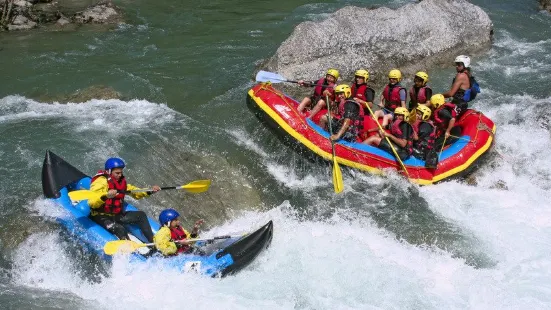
pixel 172 238
pixel 108 210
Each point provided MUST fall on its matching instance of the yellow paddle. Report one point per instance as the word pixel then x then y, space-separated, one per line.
pixel 338 183
pixel 388 140
pixel 192 187
pixel 442 149
pixel 128 246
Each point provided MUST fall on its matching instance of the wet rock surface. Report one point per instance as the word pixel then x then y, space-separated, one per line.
pixel 545 5
pixel 411 38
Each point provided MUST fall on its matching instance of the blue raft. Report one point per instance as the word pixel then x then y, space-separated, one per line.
pixel 217 258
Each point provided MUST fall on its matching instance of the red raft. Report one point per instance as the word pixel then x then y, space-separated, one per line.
pixel 279 111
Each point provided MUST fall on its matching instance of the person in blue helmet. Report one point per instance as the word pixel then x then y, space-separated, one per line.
pixel 108 210
pixel 172 238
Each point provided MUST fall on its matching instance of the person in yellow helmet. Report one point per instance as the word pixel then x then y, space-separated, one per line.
pixel 400 135
pixel 322 88
pixel 420 92
pixel 361 92
pixel 347 123
pixel 424 132
pixel 393 96
pixel 444 118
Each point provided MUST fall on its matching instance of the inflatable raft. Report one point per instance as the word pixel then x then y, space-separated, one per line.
pixel 217 258
pixel 279 112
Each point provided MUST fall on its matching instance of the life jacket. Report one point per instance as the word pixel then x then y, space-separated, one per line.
pixel 356 123
pixel 321 85
pixel 178 233
pixel 441 123
pixel 426 142
pixel 469 94
pixel 391 93
pixel 421 96
pixel 112 206
pixel 397 131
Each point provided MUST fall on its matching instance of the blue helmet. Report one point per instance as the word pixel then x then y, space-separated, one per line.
pixel 114 162
pixel 168 215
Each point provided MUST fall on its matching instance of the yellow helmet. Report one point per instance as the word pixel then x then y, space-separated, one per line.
pixel 395 74
pixel 334 73
pixel 424 110
pixel 363 73
pixel 437 100
pixel 343 88
pixel 422 75
pixel 402 111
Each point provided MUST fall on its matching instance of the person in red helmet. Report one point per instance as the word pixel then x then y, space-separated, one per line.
pixel 108 209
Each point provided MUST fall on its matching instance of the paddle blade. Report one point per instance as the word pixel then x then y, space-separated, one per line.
pixel 121 246
pixel 197 186
pixel 83 195
pixel 337 177
pixel 265 76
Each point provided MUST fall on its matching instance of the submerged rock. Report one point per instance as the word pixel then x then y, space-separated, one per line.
pixel 413 37
pixel 92 92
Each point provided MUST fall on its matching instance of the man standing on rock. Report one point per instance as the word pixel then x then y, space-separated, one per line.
pixel 464 87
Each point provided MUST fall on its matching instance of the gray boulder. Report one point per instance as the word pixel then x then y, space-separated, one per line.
pixel 545 5
pixel 99 14
pixel 413 37
pixel 21 22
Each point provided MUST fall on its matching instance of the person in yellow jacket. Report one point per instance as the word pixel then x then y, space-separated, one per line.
pixel 172 238
pixel 108 210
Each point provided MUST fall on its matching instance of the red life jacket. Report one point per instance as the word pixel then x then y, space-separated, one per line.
pixel 397 132
pixel 178 233
pixel 421 96
pixel 425 142
pixel 359 91
pixel 321 85
pixel 356 123
pixel 440 123
pixel 112 206
pixel 391 93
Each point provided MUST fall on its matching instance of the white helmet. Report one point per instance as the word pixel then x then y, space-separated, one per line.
pixel 466 60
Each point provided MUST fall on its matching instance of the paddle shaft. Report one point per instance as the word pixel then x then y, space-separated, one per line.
pixel 196 240
pixel 150 189
pixel 388 140
pixel 337 175
pixel 329 124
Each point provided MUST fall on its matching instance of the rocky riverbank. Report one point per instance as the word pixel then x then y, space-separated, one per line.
pixel 25 15
pixel 545 5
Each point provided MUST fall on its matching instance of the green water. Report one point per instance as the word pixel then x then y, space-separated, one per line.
pixel 183 70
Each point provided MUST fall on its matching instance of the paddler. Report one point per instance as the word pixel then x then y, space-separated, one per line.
pixel 108 210
pixel 172 238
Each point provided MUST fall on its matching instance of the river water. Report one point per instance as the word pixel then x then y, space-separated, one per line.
pixel 183 70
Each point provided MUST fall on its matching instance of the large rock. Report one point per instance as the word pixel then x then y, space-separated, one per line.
pixel 100 14
pixel 21 22
pixel 413 37
pixel 545 5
